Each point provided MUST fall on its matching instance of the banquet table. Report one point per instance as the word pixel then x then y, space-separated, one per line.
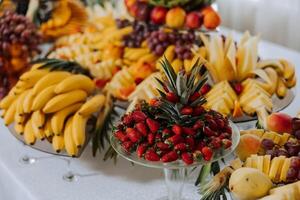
pixel 98 180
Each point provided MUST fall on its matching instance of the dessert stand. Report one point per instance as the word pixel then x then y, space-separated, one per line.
pixel 175 172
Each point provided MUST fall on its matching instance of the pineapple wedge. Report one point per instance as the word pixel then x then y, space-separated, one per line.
pixel 275 169
pixel 267 164
pixel 285 168
pixel 248 162
pixel 254 161
pixel 281 162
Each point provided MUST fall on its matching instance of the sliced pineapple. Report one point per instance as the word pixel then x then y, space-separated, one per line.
pixel 267 164
pixel 285 168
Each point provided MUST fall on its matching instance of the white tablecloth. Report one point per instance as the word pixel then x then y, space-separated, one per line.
pixel 104 180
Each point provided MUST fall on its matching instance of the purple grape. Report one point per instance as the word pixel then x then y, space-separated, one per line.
pixel 267 144
pixel 271 153
pixel 295 163
pixel 295 124
pixel 159 50
pixel 291 174
pixel 282 152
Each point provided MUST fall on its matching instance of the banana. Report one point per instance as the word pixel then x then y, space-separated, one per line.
pixel 43 97
pixel 20 103
pixel 78 129
pixel 288 69
pixel 8 100
pixel 177 65
pixel 48 80
pixel 3 113
pixel 281 88
pixel 28 101
pixel 29 137
pixel 68 139
pixel 170 53
pixel 58 119
pixel 33 76
pixel 24 85
pixel 58 143
pixel 10 113
pixel 38 119
pixel 75 82
pixel 19 128
pixel 48 129
pixel 92 105
pixel 38 132
pixel 63 100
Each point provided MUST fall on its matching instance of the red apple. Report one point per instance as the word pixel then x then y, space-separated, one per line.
pixel 158 15
pixel 280 123
pixel 133 9
pixel 193 20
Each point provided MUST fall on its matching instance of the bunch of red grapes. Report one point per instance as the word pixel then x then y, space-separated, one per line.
pixel 155 139
pixel 17 29
pixel 160 40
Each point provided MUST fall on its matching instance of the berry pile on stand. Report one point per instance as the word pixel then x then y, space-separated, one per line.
pixel 175 126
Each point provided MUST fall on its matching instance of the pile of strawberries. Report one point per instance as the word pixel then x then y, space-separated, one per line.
pixel 155 139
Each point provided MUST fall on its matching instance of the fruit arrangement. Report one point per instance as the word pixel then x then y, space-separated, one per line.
pixel 175 126
pixel 175 14
pixel 244 82
pixel 19 40
pixel 48 103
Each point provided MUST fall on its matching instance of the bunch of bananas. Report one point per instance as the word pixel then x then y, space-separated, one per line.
pixel 52 105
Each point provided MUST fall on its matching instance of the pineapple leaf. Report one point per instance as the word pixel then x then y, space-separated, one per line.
pixel 170 74
pixel 161 92
pixel 199 101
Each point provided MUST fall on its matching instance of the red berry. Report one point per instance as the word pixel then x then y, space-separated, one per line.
pixel 187 110
pixel 194 96
pixel 151 155
pixel 141 149
pixel 238 88
pixel 151 138
pixel 166 133
pixel 121 136
pixel 154 102
pixel 127 120
pixel 141 127
pixel 174 139
pixel 200 145
pixel 169 157
pixel 180 147
pixel 158 137
pixel 153 125
pixel 220 123
pixel 198 110
pixel 170 96
pixel 208 132
pixel 162 146
pixel 198 125
pixel 227 143
pixel 190 142
pixel 138 116
pixel 188 131
pixel 216 143
pixel 127 145
pixel 177 129
pixel 207 153
pixel 205 89
pixel 133 134
pixel 187 158
pixel 212 124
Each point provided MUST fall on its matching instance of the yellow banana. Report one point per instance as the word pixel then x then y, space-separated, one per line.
pixel 68 139
pixel 10 113
pixel 38 132
pixel 170 53
pixel 8 100
pixel 19 119
pixel 177 65
pixel 19 128
pixel 29 137
pixel 48 129
pixel 58 143
pixel 33 76
pixel 28 101
pixel 63 100
pixel 20 102
pixel 38 119
pixel 3 113
pixel 43 97
pixel 75 82
pixel 24 85
pixel 48 80
pixel 58 119
pixel 281 88
pixel 62 13
pixel 92 105
pixel 78 129
pixel 289 69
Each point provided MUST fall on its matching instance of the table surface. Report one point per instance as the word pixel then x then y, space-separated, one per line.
pixel 98 180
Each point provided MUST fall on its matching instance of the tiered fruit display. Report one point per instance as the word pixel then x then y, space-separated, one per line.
pixel 175 14
pixel 175 126
pixel 48 103
pixel 19 40
pixel 244 83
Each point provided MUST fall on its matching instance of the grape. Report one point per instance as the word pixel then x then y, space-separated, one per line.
pixel 293 150
pixel 297 134
pixel 267 144
pixel 272 153
pixel 295 124
pixel 295 163
pixel 159 50
pixel 282 152
pixel 291 174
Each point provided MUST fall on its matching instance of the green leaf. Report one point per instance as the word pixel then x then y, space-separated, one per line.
pixel 204 172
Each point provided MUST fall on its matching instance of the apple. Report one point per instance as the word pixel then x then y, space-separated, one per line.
pixel 280 123
pixel 143 11
pixel 175 17
pixel 129 3
pixel 158 15
pixel 212 19
pixel 249 144
pixel 193 20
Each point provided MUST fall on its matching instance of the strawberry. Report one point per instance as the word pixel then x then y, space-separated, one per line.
pixel 220 123
pixel 138 80
pixel 121 136
pixel 174 139
pixel 151 155
pixel 166 133
pixel 153 125
pixel 141 127
pixel 133 134
pixel 170 96
pixel 138 116
pixel 198 111
pixel 194 96
pixel 141 149
pixel 151 138
pixel 177 129
pixel 205 89
pixel 198 125
pixel 158 137
pixel 216 143
pixel 169 157
pixel 154 102
pixel 127 120
pixel 228 129
pixel 227 143
pixel 188 131
pixel 207 153
pixel 180 147
pixel 200 145
pixel 162 146
pixel 213 125
pixel 238 88
pixel 127 145
pixel 197 155
pixel 208 132
pixel 187 110
pixel 187 158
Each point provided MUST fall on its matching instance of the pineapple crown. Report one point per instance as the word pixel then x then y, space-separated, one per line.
pixel 61 65
pixel 181 91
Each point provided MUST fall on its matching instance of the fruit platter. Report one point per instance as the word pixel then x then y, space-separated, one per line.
pixel 181 87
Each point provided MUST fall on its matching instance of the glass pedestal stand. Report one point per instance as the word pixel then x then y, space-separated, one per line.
pixel 175 172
